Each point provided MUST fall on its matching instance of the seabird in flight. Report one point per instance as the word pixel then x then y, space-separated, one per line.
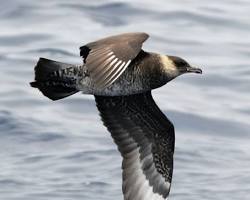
pixel 121 76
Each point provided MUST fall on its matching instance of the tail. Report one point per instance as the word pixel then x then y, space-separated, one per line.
pixel 54 79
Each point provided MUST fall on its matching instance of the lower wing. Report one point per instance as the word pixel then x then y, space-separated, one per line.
pixel 145 138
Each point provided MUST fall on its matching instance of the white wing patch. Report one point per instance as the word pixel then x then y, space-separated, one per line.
pixel 135 184
pixel 123 68
pixel 104 66
pixel 98 72
pixel 119 71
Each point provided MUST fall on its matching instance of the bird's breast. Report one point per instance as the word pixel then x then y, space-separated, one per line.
pixel 130 82
pixel 134 80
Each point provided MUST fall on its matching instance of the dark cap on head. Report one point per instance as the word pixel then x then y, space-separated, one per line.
pixel 183 65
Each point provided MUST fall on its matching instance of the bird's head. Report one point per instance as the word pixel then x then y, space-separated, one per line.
pixel 174 66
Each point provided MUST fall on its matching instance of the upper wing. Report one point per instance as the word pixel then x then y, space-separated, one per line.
pixel 107 58
pixel 145 139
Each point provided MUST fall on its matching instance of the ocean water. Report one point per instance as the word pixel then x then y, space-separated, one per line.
pixel 60 150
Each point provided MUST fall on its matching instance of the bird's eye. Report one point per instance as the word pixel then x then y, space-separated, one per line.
pixel 182 63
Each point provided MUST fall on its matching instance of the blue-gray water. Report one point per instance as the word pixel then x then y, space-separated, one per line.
pixel 60 150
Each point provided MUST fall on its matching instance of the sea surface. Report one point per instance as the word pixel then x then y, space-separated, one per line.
pixel 60 150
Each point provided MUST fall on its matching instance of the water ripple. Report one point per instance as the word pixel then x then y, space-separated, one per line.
pixel 60 150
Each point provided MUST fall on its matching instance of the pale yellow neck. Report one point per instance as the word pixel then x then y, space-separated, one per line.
pixel 168 66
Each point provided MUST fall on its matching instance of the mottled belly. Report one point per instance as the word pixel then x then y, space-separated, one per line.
pixel 124 85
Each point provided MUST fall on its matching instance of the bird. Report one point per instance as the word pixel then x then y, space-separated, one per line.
pixel 121 76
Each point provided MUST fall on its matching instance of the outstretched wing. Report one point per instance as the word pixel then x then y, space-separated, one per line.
pixel 106 59
pixel 145 139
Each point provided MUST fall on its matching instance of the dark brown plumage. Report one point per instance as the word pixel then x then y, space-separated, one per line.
pixel 141 132
pixel 96 56
pixel 121 76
